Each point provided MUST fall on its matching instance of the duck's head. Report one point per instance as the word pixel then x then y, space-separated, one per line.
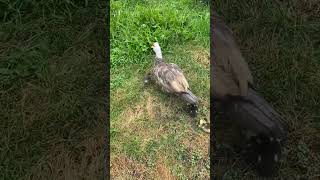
pixel 193 110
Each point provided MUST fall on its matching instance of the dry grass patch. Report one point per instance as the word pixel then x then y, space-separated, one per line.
pixel 197 143
pixel 131 115
pixel 61 163
pixel 149 107
pixel 123 167
pixel 133 120
pixel 202 56
pixel 162 170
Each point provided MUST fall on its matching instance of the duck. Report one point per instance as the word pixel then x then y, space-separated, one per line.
pixel 233 93
pixel 171 79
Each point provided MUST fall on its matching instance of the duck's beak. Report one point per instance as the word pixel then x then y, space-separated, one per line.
pixel 152 46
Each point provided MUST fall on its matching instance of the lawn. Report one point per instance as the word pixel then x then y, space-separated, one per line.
pixel 52 89
pixel 152 137
pixel 280 41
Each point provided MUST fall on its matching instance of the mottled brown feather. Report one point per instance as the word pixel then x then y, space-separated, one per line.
pixel 170 77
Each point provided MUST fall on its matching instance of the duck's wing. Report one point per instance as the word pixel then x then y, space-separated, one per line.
pixel 180 83
pixel 223 83
pixel 171 78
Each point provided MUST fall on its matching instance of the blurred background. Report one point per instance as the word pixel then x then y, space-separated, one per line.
pixel 280 41
pixel 52 89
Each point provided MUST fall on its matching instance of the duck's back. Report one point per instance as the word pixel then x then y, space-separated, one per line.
pixel 231 74
pixel 170 77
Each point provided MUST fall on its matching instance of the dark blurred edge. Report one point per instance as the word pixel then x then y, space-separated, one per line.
pixel 104 44
pixel 212 113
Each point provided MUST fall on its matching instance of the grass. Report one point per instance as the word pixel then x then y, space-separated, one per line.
pixel 152 137
pixel 52 80
pixel 280 41
pixel 52 90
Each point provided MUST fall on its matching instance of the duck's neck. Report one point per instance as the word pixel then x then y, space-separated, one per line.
pixel 158 53
pixel 158 60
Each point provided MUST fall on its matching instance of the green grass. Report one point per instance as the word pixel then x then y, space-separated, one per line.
pixel 280 41
pixel 135 25
pixel 52 90
pixel 53 85
pixel 152 137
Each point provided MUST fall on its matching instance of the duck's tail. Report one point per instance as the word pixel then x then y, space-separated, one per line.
pixel 190 97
